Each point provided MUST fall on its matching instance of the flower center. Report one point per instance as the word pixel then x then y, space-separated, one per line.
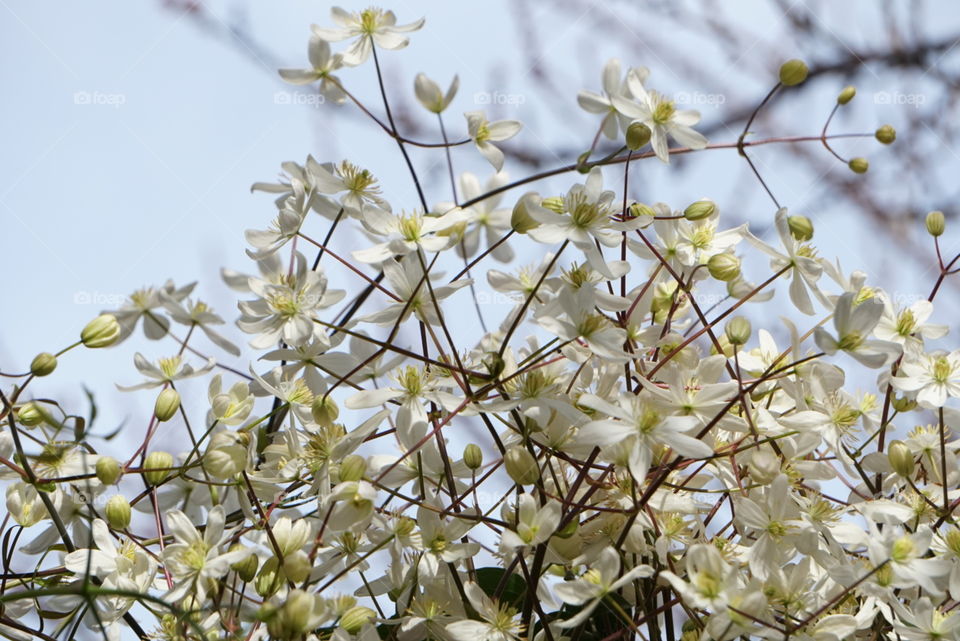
pixel 663 109
pixel 942 369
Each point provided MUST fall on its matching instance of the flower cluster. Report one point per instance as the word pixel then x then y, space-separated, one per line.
pixel 619 456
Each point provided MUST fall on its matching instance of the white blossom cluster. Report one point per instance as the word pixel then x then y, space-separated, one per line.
pixel 620 457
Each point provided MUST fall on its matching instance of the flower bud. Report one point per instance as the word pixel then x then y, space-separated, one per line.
pixel 473 456
pixel 700 210
pixel 168 402
pixel 521 466
pixel 352 468
pixel 724 266
pixel 846 94
pixel 31 414
pixel 738 330
pixel 354 618
pixel 858 165
pixel 226 454
pixel 640 210
pixel 793 72
pixel 936 223
pixel 800 227
pixel 117 512
pixel 521 221
pixel 324 410
pixel 292 619
pixel 102 331
pixel 764 466
pixel 108 470
pixel 638 135
pixel 269 579
pixel 296 566
pixel 247 568
pixel 903 404
pixel 156 467
pixel 886 134
pixel 901 458
pixel 43 364
pixel 568 530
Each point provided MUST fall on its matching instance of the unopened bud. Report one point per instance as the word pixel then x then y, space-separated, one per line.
pixel 738 330
pixel 108 470
pixel 473 456
pixel 521 221
pixel 903 404
pixel 296 566
pixel 268 579
pixel 43 364
pixel 102 331
pixel 764 466
pixel 638 135
pixel 292 619
pixel 354 618
pixel 31 414
pixel 117 512
pixel 247 568
pixel 886 134
pixel 639 210
pixel 793 72
pixel 724 266
pixel 800 227
pixel 168 402
pixel 700 210
pixel 324 410
pixel 352 468
pixel 859 165
pixel 846 94
pixel 157 467
pixel 521 466
pixel 901 458
pixel 936 223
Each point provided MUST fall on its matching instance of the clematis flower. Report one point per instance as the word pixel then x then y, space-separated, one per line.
pixel 483 133
pixel 499 621
pixel 430 96
pixel 854 321
pixel 322 66
pixel 932 377
pixel 370 27
pixel 601 579
pixel 167 370
pixel 415 231
pixel 613 87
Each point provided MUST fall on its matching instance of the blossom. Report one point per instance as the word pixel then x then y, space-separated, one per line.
pixel 499 621
pixel 482 218
pixel 660 114
pixel 406 279
pixel 144 304
pixel 595 584
pixel 370 27
pixel 483 133
pixel 613 86
pixel 199 314
pixel 907 326
pixel 534 524
pixel 854 321
pixel 322 66
pixel 931 377
pixel 166 371
pixel 430 96
pixel 415 231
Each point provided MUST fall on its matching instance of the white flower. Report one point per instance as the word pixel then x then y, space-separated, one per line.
pixel 499 621
pixel 440 540
pixel 144 304
pixel 534 524
pixel 613 86
pixel 199 314
pixel 430 96
pixel 709 578
pixel 596 583
pixel 483 133
pixel 167 370
pixel 854 321
pixel 660 114
pixel 370 26
pixel 414 231
pixel 580 320
pixel 907 326
pixel 921 621
pixel 931 376
pixel 322 66
pixel 482 217
pixel 232 407
pixel 405 279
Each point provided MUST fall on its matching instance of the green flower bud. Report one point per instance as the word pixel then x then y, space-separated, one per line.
pixel 639 210
pixel 292 619
pixel 521 221
pixel 354 618
pixel 269 578
pixel 859 165
pixel 725 347
pixel 473 456
pixel 936 223
pixel 846 94
pixel 801 227
pixel 738 330
pixel 31 414
pixel 724 266
pixel 764 466
pixel 793 72
pixel 102 331
pixel 886 134
pixel 247 568
pixel 43 364
pixel 324 410
pixel 352 468
pixel 582 166
pixel 156 467
pixel 168 402
pixel 521 466
pixel 903 404
pixel 117 512
pixel 700 210
pixel 638 135
pixel 901 458
pixel 108 470
pixel 568 530
pixel 296 566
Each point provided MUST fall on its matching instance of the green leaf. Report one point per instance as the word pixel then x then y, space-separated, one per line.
pixel 515 591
